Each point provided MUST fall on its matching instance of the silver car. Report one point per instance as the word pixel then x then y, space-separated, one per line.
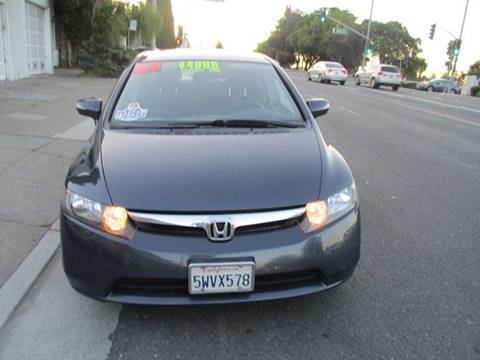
pixel 328 71
pixel 377 75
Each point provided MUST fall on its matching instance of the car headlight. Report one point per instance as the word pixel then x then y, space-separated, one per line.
pixel 112 219
pixel 322 212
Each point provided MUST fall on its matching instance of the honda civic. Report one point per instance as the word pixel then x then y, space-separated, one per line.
pixel 207 180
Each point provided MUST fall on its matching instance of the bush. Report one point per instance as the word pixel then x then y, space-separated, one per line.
pixel 475 91
pixel 106 61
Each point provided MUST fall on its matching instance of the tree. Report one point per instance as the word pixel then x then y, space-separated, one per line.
pixel 166 32
pixel 276 46
pixel 73 18
pixel 219 45
pixel 305 38
pixel 474 69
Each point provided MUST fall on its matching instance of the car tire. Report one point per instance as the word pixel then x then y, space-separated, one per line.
pixel 320 78
pixel 373 83
pixel 308 77
pixel 357 80
pixel 430 89
pixel 395 88
pixel 342 82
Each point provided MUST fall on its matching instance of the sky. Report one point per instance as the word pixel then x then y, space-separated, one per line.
pixel 242 24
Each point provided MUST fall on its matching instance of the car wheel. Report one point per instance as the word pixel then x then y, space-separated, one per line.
pixel 430 89
pixel 357 80
pixel 395 88
pixel 373 83
pixel 342 82
pixel 320 78
pixel 308 77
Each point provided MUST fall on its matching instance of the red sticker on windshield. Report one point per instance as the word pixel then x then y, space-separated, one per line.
pixel 144 67
pixel 155 66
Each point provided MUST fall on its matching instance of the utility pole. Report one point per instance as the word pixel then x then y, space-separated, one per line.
pixel 153 40
pixel 460 40
pixel 368 36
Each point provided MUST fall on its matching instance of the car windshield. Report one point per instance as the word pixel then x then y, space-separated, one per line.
pixel 391 69
pixel 334 65
pixel 166 92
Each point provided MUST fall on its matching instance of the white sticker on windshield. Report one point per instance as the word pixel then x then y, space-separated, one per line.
pixel 133 112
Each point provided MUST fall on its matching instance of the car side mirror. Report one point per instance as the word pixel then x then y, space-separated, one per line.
pixel 91 107
pixel 318 107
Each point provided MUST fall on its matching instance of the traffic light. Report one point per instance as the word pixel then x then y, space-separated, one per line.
pixel 323 15
pixel 369 51
pixel 456 47
pixel 432 31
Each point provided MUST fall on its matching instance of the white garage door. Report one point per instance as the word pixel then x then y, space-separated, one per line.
pixel 35 19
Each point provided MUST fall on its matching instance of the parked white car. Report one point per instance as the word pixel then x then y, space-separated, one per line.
pixel 327 71
pixel 377 75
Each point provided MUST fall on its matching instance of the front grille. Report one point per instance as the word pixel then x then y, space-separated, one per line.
pixel 166 287
pixel 191 231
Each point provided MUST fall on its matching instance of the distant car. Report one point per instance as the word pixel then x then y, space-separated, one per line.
pixel 440 85
pixel 377 75
pixel 328 71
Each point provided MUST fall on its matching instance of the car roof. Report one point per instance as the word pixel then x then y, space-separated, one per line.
pixel 191 54
pixel 388 65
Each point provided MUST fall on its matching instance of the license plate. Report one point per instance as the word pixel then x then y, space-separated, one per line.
pixel 216 278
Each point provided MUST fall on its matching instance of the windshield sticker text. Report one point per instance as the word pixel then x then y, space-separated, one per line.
pixel 199 65
pixel 133 112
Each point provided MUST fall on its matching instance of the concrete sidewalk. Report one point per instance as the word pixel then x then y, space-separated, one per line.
pixel 35 152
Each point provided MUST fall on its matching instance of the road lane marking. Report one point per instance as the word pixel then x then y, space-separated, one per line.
pixel 405 96
pixel 428 111
pixel 439 114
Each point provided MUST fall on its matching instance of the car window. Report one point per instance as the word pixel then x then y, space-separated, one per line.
pixel 391 69
pixel 333 66
pixel 170 91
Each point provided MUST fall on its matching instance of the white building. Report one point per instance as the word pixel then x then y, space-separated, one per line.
pixel 27 38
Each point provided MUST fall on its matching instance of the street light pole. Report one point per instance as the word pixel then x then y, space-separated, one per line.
pixel 368 36
pixel 460 39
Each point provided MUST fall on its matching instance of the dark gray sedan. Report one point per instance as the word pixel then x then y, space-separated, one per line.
pixel 207 180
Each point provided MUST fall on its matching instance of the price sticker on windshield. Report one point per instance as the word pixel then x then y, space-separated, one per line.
pixel 210 65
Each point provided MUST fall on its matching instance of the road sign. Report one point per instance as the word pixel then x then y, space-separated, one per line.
pixel 133 25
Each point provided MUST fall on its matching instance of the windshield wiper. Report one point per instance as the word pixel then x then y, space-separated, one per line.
pixel 252 123
pixel 215 123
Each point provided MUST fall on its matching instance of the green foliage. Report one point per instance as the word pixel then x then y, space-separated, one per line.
pixel 166 32
pixel 74 17
pixel 107 62
pixel 304 37
pixel 276 46
pixel 149 20
pixel 475 91
pixel 102 54
pixel 474 69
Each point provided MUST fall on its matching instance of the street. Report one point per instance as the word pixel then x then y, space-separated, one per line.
pixel 416 291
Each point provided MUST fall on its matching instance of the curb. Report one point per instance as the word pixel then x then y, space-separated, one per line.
pixel 19 283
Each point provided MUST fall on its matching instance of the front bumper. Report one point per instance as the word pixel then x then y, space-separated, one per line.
pixel 152 268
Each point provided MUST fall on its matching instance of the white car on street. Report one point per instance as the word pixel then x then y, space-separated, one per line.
pixel 328 71
pixel 377 75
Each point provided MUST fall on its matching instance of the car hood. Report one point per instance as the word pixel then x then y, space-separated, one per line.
pixel 211 172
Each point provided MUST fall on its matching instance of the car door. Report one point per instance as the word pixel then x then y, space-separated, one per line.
pixel 314 71
pixel 440 86
pixel 367 74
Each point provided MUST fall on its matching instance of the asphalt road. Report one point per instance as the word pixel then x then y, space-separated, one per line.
pixel 416 291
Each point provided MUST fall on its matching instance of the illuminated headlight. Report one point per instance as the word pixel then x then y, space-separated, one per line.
pixel 112 219
pixel 322 212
